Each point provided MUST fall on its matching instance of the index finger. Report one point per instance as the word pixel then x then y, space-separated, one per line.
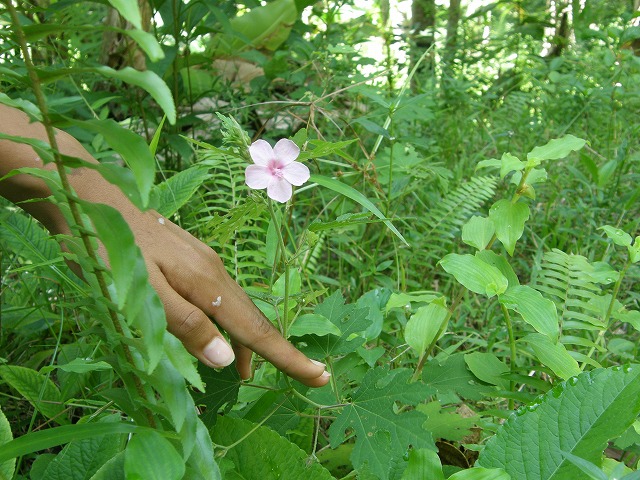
pixel 246 325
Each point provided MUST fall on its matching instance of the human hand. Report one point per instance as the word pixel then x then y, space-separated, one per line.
pixel 187 275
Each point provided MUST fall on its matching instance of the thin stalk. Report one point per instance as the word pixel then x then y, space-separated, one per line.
pixel 607 317
pixel 285 261
pixel 512 348
pixel 66 186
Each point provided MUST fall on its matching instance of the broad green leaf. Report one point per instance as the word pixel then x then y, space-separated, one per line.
pixel 509 219
pixel 424 464
pixel 556 149
pixel 510 163
pixel 263 454
pixel 451 377
pixel 150 456
pixel 347 319
pixel 537 311
pixel 586 466
pixel 53 437
pixel 356 196
pixel 148 81
pixel 266 26
pixel 477 232
pixel 129 10
pixel 383 436
pixel 553 355
pixel 479 473
pixel 619 237
pixel 488 368
pixel 501 263
pixel 474 274
pixel 172 389
pixel 131 147
pixel 176 191
pixel 634 251
pixel 579 417
pixel 8 466
pixel 489 163
pixel 221 390
pixel 313 324
pixel 137 300
pixel 112 469
pixel 423 327
pixel 24 105
pixel 80 459
pixel 406 299
pixel 41 392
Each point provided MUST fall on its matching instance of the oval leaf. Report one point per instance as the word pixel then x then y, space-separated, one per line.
pixel 477 232
pixel 553 355
pixel 508 219
pixel 536 310
pixel 150 456
pixel 423 327
pixel 474 274
pixel 556 149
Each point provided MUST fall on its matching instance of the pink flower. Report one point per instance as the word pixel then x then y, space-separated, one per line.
pixel 275 169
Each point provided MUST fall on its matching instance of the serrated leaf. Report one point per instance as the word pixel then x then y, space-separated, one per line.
pixel 178 189
pixel 41 392
pixel 262 453
pixel 133 150
pixel 383 436
pixel 112 470
pixel 137 300
pixel 80 459
pixel 347 319
pixel 536 310
pixel 450 376
pixel 579 416
pixel 423 326
pixel 8 466
pixel 182 361
pixel 618 236
pixel 509 219
pixel 474 274
pixel 556 149
pixel 445 424
pixel 477 232
pixel 553 355
pixel 150 456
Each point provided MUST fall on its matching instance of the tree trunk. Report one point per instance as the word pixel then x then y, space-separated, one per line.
pixel 451 44
pixel 119 50
pixel 560 38
pixel 423 22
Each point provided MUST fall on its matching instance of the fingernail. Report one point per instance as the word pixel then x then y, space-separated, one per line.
pixel 219 353
pixel 320 364
pixel 325 374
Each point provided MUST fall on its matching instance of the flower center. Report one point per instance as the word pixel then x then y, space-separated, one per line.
pixel 276 169
pixel 277 172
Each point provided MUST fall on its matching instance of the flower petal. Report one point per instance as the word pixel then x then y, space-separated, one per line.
pixel 261 152
pixel 280 190
pixel 257 177
pixel 286 151
pixel 296 173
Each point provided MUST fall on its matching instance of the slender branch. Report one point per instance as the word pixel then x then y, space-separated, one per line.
pixel 512 348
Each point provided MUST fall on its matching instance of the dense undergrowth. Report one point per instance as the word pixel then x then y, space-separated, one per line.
pixel 464 257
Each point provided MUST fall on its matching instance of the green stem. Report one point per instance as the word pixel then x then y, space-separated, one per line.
pixel 66 186
pixel 285 261
pixel 512 348
pixel 607 317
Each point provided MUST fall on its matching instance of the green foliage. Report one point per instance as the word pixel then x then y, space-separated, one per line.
pixel 606 401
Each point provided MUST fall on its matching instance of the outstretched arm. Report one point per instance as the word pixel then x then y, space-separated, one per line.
pixel 187 275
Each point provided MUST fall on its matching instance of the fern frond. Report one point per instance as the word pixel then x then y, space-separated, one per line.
pixel 437 230
pixel 566 279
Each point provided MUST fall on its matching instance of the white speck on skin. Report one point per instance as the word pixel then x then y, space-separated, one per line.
pixel 217 302
pixel 37 160
pixel 161 221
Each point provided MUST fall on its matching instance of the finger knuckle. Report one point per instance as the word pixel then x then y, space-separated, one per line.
pixel 189 322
